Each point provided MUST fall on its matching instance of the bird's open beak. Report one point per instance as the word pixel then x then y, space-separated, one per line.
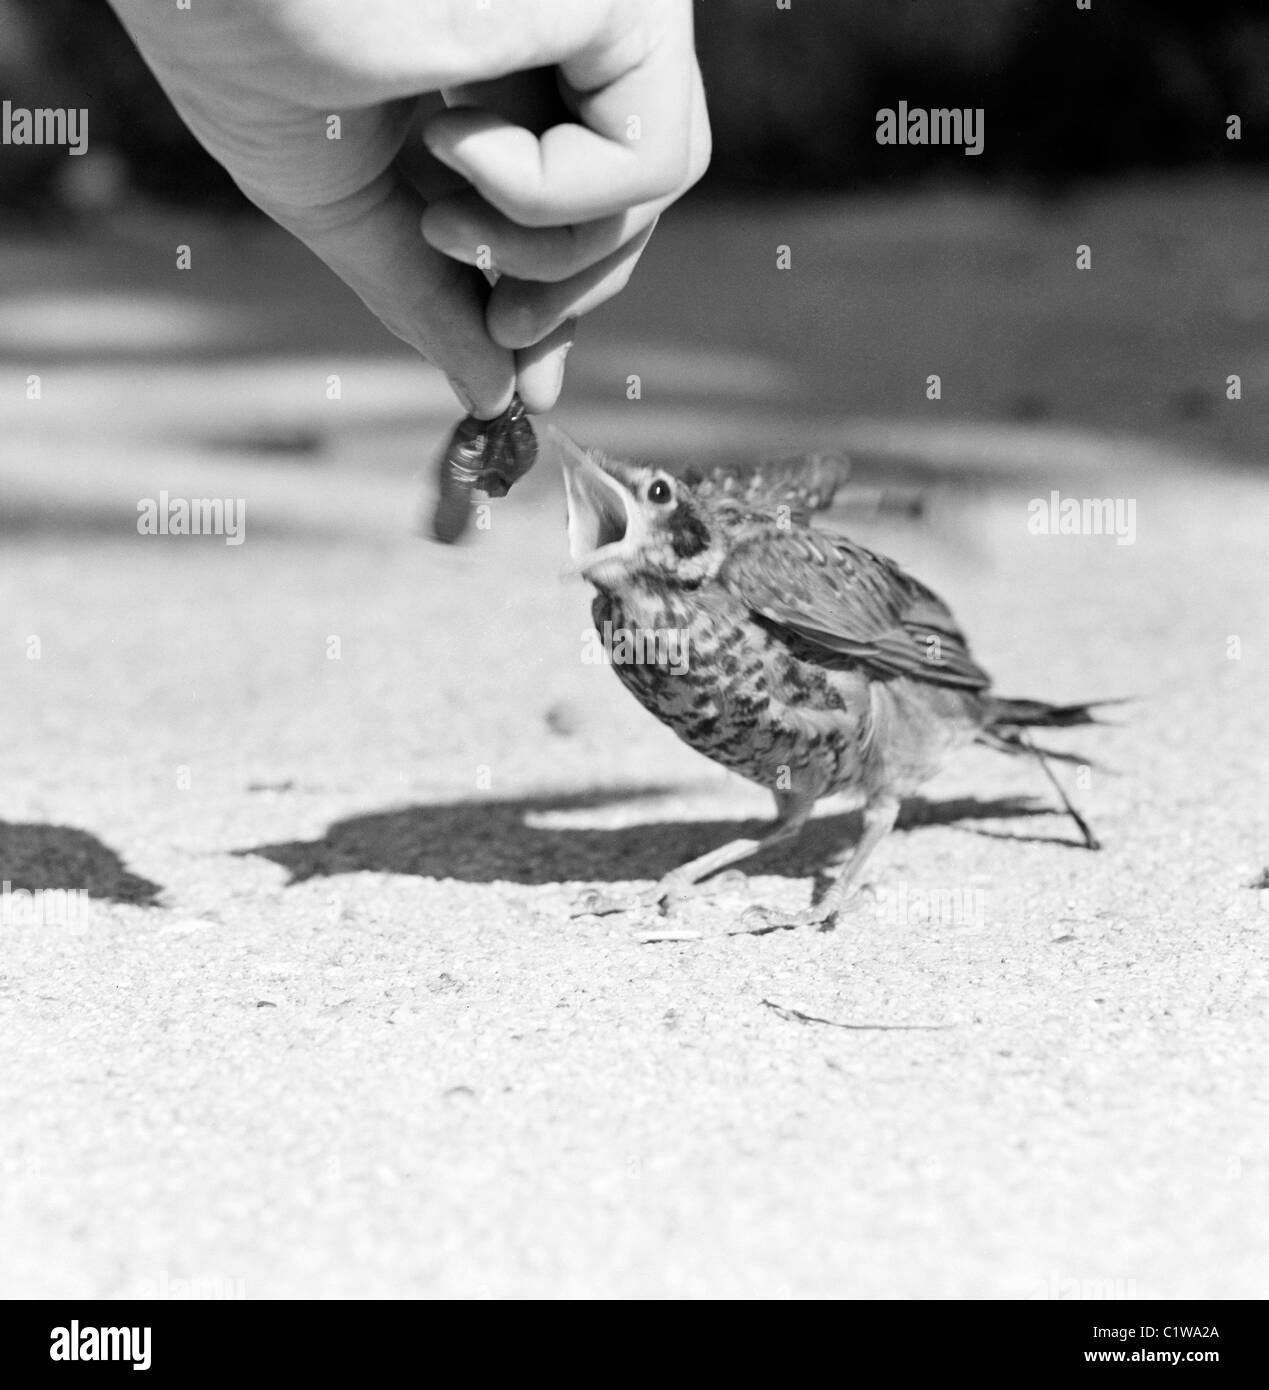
pixel 604 521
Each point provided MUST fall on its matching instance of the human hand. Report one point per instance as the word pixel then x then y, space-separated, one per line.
pixel 563 216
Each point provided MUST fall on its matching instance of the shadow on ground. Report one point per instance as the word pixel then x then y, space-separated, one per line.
pixel 59 856
pixel 488 841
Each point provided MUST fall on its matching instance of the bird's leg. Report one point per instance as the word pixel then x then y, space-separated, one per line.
pixel 879 819
pixel 792 813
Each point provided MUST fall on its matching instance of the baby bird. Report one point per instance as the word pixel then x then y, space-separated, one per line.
pixel 813 666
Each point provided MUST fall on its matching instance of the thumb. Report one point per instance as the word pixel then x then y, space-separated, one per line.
pixel 370 239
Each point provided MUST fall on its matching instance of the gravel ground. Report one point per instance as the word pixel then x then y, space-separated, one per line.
pixel 325 1025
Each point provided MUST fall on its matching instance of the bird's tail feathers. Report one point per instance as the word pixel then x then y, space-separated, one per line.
pixel 1039 714
pixel 1009 719
pixel 1014 741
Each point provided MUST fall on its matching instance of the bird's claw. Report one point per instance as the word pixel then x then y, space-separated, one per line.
pixel 760 921
pixel 665 895
pixel 595 904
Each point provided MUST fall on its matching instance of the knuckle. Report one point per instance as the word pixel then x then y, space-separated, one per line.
pixel 666 179
pixel 608 288
pixel 698 160
pixel 676 167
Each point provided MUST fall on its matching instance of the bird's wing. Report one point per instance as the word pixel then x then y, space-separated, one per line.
pixel 838 596
pixel 804 484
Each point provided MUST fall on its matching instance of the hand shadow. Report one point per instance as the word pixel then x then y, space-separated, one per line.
pixel 35 857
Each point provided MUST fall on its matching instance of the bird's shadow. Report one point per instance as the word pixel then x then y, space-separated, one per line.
pixel 514 841
pixel 36 856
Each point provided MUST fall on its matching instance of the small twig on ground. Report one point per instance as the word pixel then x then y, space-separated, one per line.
pixel 797 1016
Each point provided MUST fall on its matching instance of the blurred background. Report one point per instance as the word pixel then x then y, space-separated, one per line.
pixel 1105 127
pixel 1134 85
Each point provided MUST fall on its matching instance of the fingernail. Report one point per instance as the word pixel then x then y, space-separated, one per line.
pixel 560 361
pixel 465 397
pixel 556 380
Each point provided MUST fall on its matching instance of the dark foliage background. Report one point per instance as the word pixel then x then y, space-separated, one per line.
pixel 1133 83
pixel 1129 85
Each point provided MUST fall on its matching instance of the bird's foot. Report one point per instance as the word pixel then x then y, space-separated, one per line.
pixel 596 904
pixel 825 916
pixel 663 895
pixel 760 921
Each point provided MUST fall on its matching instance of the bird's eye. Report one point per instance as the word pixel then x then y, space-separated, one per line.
pixel 660 492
